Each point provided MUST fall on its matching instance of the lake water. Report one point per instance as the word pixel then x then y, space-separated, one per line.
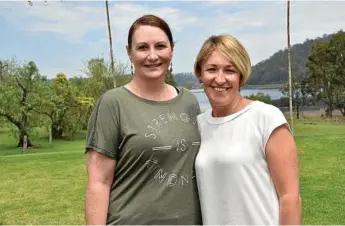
pixel 204 103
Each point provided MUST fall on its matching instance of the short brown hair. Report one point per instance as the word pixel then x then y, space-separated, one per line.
pixel 231 49
pixel 150 20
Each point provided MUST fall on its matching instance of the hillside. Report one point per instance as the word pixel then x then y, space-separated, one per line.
pixel 272 70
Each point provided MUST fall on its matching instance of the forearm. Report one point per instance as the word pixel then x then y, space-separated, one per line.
pixel 290 210
pixel 96 203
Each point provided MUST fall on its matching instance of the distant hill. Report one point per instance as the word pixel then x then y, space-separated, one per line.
pixel 273 70
pixel 187 78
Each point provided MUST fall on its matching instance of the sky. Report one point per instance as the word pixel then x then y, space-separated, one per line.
pixel 62 35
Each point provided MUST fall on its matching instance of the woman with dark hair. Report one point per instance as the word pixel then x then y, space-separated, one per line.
pixel 142 140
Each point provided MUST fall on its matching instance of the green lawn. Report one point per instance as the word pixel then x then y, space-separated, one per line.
pixel 47 185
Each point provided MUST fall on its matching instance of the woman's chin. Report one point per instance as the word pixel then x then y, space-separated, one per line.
pixel 154 74
pixel 219 103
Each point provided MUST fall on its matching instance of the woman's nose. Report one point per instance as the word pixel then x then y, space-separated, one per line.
pixel 220 79
pixel 152 55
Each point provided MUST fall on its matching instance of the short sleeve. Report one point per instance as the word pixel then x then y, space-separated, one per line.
pixel 103 133
pixel 273 118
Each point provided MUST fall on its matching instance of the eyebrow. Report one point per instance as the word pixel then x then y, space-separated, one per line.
pixel 141 43
pixel 162 42
pixel 144 43
pixel 215 65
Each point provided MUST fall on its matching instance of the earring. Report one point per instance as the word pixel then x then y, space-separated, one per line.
pixel 132 69
pixel 171 67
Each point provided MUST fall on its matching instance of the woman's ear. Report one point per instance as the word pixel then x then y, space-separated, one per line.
pixel 128 49
pixel 198 77
pixel 241 79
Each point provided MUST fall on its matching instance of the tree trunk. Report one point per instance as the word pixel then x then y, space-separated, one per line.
pixel 110 43
pixel 22 133
pixel 289 66
pixel 57 131
pixel 330 106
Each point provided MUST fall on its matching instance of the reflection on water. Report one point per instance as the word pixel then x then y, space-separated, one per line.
pixel 204 103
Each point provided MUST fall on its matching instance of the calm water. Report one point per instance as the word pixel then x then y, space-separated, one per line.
pixel 204 103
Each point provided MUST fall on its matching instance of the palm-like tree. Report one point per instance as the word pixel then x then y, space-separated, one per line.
pixel 110 43
pixel 289 65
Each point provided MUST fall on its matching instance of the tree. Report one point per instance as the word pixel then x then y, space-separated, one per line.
pixel 188 86
pixel 322 74
pixel 260 96
pixel 100 77
pixel 337 58
pixel 298 94
pixel 169 79
pixel 19 96
pixel 62 99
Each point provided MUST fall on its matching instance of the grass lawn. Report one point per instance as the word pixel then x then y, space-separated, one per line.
pixel 47 185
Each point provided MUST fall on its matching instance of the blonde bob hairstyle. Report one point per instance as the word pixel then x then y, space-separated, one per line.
pixel 231 49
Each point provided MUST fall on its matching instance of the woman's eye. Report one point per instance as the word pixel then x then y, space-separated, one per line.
pixel 211 70
pixel 142 47
pixel 161 46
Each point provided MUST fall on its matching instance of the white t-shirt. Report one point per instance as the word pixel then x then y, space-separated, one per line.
pixel 234 181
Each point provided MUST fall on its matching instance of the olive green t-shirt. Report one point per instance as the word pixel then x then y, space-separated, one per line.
pixel 155 145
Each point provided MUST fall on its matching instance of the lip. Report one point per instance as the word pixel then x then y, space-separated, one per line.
pixel 153 65
pixel 220 89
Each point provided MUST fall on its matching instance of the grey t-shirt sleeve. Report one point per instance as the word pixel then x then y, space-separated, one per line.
pixel 103 128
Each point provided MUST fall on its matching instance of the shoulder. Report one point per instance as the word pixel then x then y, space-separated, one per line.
pixel 187 93
pixel 114 93
pixel 202 119
pixel 269 117
pixel 264 110
pixel 188 98
pixel 110 98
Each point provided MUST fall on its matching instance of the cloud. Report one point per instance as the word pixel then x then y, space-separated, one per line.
pixel 259 25
pixel 68 20
pixel 73 21
pixel 124 14
pixel 263 29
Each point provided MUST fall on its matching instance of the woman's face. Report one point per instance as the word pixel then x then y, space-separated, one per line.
pixel 151 52
pixel 221 80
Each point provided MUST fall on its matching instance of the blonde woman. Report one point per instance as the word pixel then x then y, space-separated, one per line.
pixel 247 166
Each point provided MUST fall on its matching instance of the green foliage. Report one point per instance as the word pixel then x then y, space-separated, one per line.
pixel 188 86
pixel 20 86
pixel 169 79
pixel 326 80
pixel 58 107
pixel 299 95
pixel 261 97
pixel 100 79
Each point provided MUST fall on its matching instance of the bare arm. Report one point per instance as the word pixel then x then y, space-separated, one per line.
pixel 283 165
pixel 100 171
